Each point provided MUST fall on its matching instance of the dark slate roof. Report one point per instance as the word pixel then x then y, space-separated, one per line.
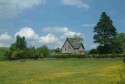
pixel 75 43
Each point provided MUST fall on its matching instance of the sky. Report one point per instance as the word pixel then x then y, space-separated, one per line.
pixel 50 22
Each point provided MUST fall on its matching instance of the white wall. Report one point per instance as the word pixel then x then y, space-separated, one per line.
pixel 67 48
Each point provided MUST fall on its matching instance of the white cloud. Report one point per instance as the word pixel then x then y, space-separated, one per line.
pixel 28 33
pixel 10 8
pixel 77 3
pixel 55 29
pixel 25 4
pixel 48 39
pixel 34 39
pixel 88 25
pixel 62 33
pixel 5 37
pixel 64 30
pixel 5 40
pixel 53 39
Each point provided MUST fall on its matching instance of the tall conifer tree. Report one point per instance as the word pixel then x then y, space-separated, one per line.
pixel 104 30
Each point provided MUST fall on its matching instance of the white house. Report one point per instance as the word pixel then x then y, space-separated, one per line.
pixel 72 46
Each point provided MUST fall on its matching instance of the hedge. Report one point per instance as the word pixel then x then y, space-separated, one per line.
pixel 88 56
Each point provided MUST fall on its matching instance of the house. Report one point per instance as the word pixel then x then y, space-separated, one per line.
pixel 72 46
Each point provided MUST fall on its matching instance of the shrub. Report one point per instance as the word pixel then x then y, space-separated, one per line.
pixel 43 51
pixel 8 54
pixel 88 56
pixel 70 56
pixel 93 51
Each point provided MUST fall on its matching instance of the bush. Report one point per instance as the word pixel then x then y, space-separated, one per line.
pixel 70 56
pixel 44 51
pixel 8 54
pixel 93 51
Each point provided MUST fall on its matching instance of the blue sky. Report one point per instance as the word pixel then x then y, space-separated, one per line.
pixel 50 22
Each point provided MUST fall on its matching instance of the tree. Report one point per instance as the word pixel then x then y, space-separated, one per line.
pixel 118 43
pixel 104 49
pixel 104 33
pixel 13 47
pixel 20 42
pixel 58 50
pixel 104 30
pixel 93 51
pixel 44 50
pixel 78 38
pixel 17 49
pixel 121 37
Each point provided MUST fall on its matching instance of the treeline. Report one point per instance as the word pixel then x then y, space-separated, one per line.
pixel 110 44
pixel 19 50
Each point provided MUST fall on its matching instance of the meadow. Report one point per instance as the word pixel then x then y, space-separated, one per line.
pixel 62 71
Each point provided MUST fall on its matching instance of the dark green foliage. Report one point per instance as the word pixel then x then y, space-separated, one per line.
pixel 20 42
pixel 117 45
pixel 97 56
pixel 107 49
pixel 93 51
pixel 8 54
pixel 70 56
pixel 104 30
pixel 124 60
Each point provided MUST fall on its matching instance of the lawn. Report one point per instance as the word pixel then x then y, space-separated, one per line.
pixel 62 71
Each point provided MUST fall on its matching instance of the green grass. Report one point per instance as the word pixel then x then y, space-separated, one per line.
pixel 62 71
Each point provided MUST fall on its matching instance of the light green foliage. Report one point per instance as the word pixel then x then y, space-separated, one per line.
pixel 33 53
pixel 78 38
pixel 64 71
pixel 118 43
pixel 13 47
pixel 17 49
pixel 58 50
pixel 44 50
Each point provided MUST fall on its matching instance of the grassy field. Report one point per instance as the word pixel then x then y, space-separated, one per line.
pixel 62 71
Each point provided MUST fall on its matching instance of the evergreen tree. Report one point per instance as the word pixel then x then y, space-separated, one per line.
pixel 104 30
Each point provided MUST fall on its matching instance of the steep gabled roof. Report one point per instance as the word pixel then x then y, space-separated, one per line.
pixel 74 43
